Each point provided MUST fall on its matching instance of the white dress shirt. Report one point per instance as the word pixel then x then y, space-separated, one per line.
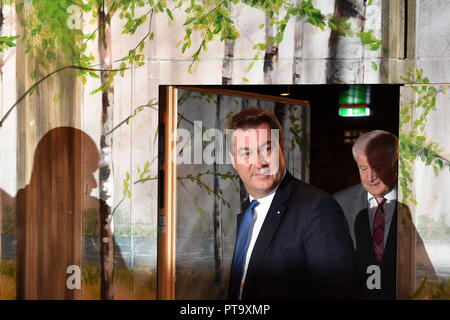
pixel 258 220
pixel 388 207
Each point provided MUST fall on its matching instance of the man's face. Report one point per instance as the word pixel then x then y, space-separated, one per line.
pixel 258 159
pixel 378 173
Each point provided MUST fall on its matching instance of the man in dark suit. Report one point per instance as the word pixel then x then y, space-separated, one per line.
pixel 292 240
pixel 371 211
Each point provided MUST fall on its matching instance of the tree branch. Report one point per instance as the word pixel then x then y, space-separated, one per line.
pixel 131 116
pixel 73 67
pixel 149 29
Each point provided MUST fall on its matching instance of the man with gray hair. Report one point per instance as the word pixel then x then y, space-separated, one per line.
pixel 371 211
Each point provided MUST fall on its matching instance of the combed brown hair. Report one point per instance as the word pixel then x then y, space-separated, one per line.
pixel 253 117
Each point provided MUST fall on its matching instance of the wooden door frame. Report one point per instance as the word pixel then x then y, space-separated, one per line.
pixel 167 177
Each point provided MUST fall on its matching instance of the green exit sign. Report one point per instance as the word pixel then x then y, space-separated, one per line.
pixel 354 111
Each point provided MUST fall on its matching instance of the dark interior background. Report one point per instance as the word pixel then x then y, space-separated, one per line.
pixel 332 167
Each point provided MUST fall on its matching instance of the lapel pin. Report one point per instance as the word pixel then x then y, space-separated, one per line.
pixel 278 212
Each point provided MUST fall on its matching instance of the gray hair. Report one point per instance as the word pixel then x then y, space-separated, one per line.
pixel 375 138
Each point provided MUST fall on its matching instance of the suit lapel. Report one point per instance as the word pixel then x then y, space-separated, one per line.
pixel 363 229
pixel 362 224
pixel 361 200
pixel 269 227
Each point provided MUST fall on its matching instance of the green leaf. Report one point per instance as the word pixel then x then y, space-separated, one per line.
pixel 244 79
pixel 169 13
pixel 279 37
pixel 404 110
pixel 419 73
pixel 217 29
pixel 141 46
pixel 406 119
pixel 152 100
pixel 332 26
pixel 436 171
pixel 420 140
pixel 189 21
pixel 375 46
pixel 93 75
pixel 122 67
pixel 57 97
pixel 228 20
pixel 369 40
pixel 33 90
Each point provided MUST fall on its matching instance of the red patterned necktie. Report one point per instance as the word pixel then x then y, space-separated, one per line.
pixel 378 231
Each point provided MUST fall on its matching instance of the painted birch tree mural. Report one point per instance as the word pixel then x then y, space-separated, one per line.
pixel 271 51
pixel 423 146
pixel 217 218
pixel 105 14
pixel 54 64
pixel 298 50
pixel 227 69
pixel 46 44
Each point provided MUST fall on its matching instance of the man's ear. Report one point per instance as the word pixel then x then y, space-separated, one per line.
pixel 395 166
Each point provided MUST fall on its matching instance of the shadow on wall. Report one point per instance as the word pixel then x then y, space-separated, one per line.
pixel 48 225
pixel 416 276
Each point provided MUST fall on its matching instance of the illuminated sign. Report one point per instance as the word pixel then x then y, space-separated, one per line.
pixel 354 111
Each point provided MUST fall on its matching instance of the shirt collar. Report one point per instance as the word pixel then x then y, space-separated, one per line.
pixel 390 196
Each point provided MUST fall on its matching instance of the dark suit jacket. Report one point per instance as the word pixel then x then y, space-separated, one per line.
pixel 353 201
pixel 303 250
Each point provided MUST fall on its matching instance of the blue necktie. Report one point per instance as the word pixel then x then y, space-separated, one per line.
pixel 242 241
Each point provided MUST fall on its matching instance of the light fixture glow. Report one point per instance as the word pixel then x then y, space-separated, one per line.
pixel 286 93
